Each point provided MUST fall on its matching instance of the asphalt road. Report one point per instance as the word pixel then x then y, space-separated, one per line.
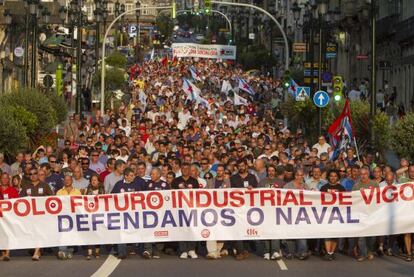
pixel 172 266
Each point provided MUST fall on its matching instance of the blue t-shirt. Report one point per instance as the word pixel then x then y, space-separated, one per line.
pixel 347 184
pixel 121 187
pixel 55 182
pixel 159 185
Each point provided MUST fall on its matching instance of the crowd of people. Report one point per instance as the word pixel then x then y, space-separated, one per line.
pixel 164 138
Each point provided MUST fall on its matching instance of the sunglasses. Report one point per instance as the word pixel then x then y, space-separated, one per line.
pixel 52 161
pixel 32 173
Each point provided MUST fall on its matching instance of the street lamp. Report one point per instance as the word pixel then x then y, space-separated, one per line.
pixel 137 15
pixel 76 18
pixel 98 19
pixel 122 10
pixel 117 13
pixel 296 13
pixel 232 15
pixel 33 11
pixel 322 9
pixel 62 13
pixel 46 15
pixel 105 15
pixel 8 20
pixel 7 17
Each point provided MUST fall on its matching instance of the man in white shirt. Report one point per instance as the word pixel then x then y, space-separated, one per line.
pixel 183 118
pixel 322 146
pixel 354 95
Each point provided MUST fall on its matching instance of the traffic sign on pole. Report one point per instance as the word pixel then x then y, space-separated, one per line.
pixel 302 93
pixel 321 98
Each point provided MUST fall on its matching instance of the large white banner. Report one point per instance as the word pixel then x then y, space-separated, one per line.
pixel 194 215
pixel 209 51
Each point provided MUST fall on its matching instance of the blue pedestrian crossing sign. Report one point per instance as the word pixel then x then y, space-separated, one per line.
pixel 321 98
pixel 302 93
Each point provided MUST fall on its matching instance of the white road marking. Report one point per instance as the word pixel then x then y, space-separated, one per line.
pixel 107 267
pixel 282 265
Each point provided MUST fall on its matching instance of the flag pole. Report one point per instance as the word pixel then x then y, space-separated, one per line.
pixel 356 148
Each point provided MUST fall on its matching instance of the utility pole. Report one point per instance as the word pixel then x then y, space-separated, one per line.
pixel 26 50
pixel 33 75
pixel 373 94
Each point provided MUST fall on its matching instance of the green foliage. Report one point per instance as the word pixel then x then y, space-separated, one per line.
pixel 24 117
pixel 165 25
pixel 382 131
pixel 35 102
pixel 116 59
pixel 114 79
pixel 402 135
pixel 256 57
pixel 305 115
pixel 12 133
pixel 60 106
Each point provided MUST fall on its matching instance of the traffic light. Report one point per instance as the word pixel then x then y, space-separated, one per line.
pixel 286 79
pixel 207 6
pixel 337 85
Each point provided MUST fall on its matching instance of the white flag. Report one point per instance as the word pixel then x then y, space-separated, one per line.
pixel 152 54
pixel 238 100
pixel 142 98
pixel 226 86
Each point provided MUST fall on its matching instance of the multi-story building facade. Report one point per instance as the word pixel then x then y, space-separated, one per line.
pixel 395 47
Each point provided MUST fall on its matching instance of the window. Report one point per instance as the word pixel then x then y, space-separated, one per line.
pixel 111 8
pixel 129 7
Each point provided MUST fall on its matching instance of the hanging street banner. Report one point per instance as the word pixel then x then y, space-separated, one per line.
pixel 198 215
pixel 208 51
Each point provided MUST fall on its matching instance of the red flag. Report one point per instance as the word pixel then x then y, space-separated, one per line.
pixel 164 61
pixel 335 129
pixel 174 61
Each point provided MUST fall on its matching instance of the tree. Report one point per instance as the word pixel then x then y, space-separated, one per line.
pixel 35 102
pixel 27 119
pixel 114 79
pixel 165 25
pixel 402 135
pixel 12 133
pixel 59 105
pixel 116 59
pixel 256 58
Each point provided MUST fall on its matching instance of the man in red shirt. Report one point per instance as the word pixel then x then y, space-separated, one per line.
pixel 110 165
pixel 7 191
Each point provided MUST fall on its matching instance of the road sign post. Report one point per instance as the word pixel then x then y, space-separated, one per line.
pixel 302 93
pixel 321 99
